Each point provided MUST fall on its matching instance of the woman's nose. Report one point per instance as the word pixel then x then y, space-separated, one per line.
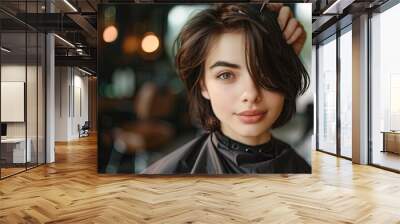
pixel 251 92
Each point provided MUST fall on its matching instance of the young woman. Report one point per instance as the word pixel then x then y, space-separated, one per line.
pixel 243 76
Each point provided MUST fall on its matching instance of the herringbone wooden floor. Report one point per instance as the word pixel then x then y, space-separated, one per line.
pixel 71 191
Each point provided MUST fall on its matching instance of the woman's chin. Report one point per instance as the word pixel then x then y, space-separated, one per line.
pixel 250 130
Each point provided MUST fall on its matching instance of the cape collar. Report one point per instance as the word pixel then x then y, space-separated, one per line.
pixel 235 145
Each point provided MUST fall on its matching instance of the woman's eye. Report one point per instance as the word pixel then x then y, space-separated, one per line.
pixel 225 75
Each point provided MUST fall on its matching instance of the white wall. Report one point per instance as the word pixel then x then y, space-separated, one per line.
pixel 80 89
pixel 70 83
pixel 61 103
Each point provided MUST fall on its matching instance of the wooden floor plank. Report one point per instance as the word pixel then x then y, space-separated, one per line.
pixel 71 191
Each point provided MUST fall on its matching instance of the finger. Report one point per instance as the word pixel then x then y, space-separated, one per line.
pixel 290 28
pixel 275 7
pixel 296 34
pixel 298 45
pixel 284 15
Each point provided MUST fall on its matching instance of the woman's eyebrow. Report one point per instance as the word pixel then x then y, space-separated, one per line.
pixel 224 64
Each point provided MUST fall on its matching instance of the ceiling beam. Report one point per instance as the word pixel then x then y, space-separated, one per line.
pixel 84 24
pixel 82 61
pixel 337 6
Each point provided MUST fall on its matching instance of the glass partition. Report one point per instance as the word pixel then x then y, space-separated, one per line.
pixel 31 99
pixel 385 89
pixel 346 93
pixel 327 96
pixel 41 91
pixel 22 88
pixel 13 105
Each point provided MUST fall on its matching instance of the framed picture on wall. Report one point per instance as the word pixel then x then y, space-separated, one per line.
pixel 203 88
pixel 12 101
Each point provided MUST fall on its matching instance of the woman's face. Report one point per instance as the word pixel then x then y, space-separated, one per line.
pixel 246 111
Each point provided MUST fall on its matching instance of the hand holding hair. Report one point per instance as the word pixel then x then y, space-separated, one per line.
pixel 292 29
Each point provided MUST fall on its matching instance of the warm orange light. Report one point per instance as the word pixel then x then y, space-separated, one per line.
pixel 150 43
pixel 130 44
pixel 110 34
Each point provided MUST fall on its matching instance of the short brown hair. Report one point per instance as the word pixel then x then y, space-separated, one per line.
pixel 272 63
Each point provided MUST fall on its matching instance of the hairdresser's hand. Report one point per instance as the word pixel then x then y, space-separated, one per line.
pixel 292 29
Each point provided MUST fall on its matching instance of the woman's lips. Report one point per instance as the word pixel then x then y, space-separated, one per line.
pixel 251 116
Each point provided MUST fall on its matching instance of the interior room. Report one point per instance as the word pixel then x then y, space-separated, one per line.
pixel 63 159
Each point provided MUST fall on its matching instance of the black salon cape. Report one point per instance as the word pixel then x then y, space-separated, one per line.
pixel 215 153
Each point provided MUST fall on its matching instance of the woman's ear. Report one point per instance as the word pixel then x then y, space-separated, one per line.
pixel 204 91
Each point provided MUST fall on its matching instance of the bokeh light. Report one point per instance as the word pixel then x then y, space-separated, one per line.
pixel 130 44
pixel 123 83
pixel 150 43
pixel 110 34
pixel 109 14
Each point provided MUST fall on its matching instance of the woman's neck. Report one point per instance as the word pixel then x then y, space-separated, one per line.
pixel 248 140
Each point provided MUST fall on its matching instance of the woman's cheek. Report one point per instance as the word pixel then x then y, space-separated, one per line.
pixel 221 98
pixel 276 102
